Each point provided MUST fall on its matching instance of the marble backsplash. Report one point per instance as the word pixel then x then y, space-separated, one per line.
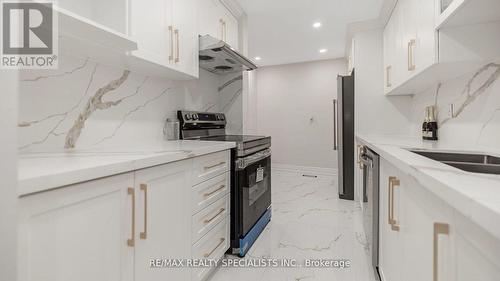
pixel 476 101
pixel 85 104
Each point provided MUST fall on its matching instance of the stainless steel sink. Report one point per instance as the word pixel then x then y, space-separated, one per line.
pixel 475 163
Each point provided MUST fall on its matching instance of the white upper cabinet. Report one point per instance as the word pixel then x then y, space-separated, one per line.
pixel 217 21
pixel 410 44
pixel 464 12
pixel 151 27
pixel 110 13
pixel 167 36
pixel 423 46
pixel 186 46
pixel 231 30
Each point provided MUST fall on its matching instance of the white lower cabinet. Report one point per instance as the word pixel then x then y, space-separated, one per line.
pixel 162 219
pixel 110 229
pixel 211 246
pixel 423 238
pixel 390 240
pixel 78 233
pixel 478 253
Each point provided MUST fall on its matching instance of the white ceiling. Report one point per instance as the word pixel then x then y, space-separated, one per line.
pixel 281 32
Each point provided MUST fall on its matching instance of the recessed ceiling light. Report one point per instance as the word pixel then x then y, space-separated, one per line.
pixel 323 50
pixel 258 58
pixel 317 24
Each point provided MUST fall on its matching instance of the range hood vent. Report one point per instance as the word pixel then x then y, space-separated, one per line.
pixel 218 57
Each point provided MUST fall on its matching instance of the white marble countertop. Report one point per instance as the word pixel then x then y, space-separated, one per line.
pixel 476 196
pixel 40 171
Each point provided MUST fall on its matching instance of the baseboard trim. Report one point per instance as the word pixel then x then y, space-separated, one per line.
pixel 305 169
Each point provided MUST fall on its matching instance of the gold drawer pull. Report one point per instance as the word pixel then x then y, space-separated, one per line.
pixel 144 235
pixel 214 166
pixel 215 191
pixel 360 148
pixel 216 247
pixel 388 77
pixel 171 33
pixel 393 182
pixel 207 221
pixel 411 63
pixel 177 57
pixel 131 241
pixel 439 228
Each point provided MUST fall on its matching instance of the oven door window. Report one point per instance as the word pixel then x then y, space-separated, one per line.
pixel 255 185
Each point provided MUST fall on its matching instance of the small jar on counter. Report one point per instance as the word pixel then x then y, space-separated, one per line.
pixel 171 129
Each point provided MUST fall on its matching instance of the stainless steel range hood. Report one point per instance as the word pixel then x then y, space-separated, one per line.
pixel 218 57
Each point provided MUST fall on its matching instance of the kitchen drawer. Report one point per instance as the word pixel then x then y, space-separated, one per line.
pixel 208 166
pixel 202 222
pixel 209 191
pixel 212 246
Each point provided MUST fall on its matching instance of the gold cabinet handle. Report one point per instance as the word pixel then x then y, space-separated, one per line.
pixel 131 241
pixel 393 182
pixel 222 186
pixel 388 70
pixel 171 35
pixel 411 63
pixel 207 221
pixel 360 164
pixel 222 29
pixel 216 247
pixel 144 234
pixel 225 31
pixel 177 48
pixel 439 228
pixel 213 166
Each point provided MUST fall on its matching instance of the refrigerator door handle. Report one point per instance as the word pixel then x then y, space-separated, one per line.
pixel 335 141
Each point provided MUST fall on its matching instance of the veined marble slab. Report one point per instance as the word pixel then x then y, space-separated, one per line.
pixel 476 196
pixel 42 171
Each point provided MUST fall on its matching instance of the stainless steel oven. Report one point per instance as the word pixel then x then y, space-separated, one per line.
pixel 370 162
pixel 250 175
pixel 253 177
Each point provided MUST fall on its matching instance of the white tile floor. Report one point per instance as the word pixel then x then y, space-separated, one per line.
pixel 309 221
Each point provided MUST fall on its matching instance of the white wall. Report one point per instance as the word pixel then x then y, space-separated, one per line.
pixel 8 175
pixel 294 105
pixel 51 102
pixel 375 112
pixel 478 124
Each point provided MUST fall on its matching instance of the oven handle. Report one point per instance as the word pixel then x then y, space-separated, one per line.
pixel 242 163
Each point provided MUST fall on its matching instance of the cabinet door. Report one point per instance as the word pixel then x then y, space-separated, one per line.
pixel 78 233
pixel 408 34
pixel 150 23
pixel 389 49
pixel 231 30
pixel 185 20
pixel 427 225
pixel 210 22
pixel 390 240
pixel 163 216
pixel 425 50
pixel 478 253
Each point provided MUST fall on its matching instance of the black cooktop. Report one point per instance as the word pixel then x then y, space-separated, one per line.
pixel 234 138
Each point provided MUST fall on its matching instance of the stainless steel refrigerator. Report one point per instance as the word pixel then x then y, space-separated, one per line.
pixel 343 115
